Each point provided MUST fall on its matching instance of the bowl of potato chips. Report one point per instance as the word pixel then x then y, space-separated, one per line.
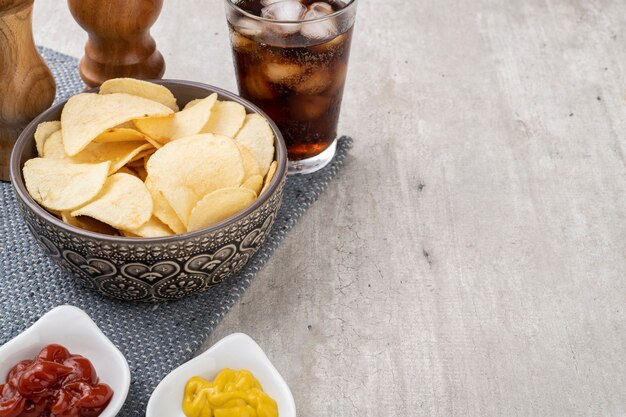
pixel 150 191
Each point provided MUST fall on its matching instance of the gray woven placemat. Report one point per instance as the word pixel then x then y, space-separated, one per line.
pixel 155 338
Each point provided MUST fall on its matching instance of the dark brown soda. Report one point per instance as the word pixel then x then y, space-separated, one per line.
pixel 299 87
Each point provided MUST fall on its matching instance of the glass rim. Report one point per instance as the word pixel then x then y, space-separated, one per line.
pixel 290 22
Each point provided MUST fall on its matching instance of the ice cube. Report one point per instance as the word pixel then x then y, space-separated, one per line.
pixel 248 27
pixel 329 46
pixel 239 41
pixel 286 10
pixel 306 107
pixel 318 80
pixel 283 73
pixel 257 85
pixel 319 29
pixel 317 10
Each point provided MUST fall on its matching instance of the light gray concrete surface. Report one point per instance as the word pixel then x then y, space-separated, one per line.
pixel 470 258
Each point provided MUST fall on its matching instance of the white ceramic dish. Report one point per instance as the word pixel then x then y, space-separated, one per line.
pixel 237 351
pixel 71 327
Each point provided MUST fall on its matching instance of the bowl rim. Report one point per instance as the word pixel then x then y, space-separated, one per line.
pixel 26 136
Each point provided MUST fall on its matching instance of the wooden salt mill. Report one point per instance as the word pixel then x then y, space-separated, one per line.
pixel 26 84
pixel 119 42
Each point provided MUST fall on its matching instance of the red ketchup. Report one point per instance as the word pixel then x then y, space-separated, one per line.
pixel 54 384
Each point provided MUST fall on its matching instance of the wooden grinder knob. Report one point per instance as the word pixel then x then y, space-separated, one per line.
pixel 119 43
pixel 26 84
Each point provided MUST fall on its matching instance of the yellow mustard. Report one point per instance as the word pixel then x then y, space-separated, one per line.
pixel 232 394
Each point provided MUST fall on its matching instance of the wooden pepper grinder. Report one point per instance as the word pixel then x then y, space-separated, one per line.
pixel 119 42
pixel 26 84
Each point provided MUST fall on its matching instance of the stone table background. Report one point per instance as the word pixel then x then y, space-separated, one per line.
pixel 470 260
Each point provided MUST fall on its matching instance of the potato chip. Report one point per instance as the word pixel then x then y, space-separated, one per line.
pixel 219 205
pixel 254 183
pixel 86 116
pixel 184 123
pixel 270 175
pixel 146 153
pixel 152 228
pixel 123 203
pixel 87 223
pixel 154 143
pixel 226 118
pixel 250 164
pixel 56 213
pixel 192 103
pixel 43 132
pixel 162 209
pixel 126 125
pixel 120 134
pixel 187 169
pixel 59 184
pixel 256 134
pixel 53 146
pixel 119 153
pixel 140 88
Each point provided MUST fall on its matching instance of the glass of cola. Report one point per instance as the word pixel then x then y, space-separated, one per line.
pixel 291 59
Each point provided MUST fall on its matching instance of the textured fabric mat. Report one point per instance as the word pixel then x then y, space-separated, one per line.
pixel 155 338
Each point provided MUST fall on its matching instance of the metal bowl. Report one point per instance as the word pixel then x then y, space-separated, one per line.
pixel 152 269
